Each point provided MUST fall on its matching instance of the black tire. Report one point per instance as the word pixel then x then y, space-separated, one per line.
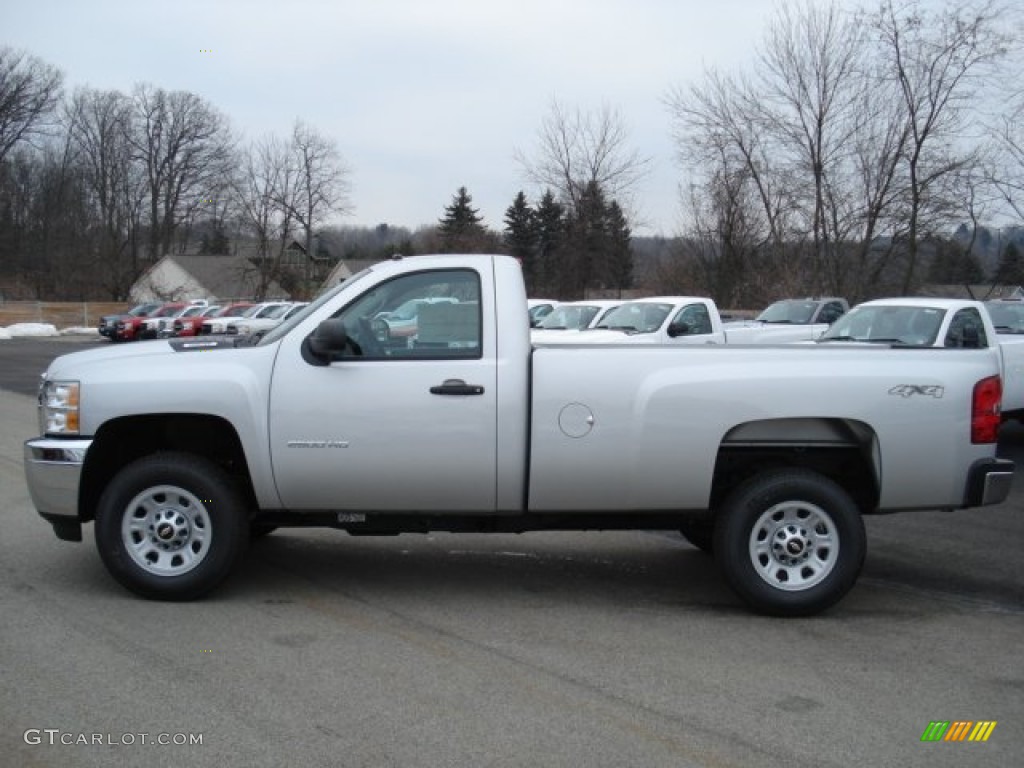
pixel 790 542
pixel 171 526
pixel 699 533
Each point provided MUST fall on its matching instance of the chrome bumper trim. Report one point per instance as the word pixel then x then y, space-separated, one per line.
pixel 53 469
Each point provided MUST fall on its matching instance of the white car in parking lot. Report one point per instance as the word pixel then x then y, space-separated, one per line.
pixel 573 316
pixel 538 309
pixel 265 322
pixel 222 324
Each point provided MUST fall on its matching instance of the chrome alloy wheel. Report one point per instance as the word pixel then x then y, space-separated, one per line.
pixel 166 530
pixel 794 545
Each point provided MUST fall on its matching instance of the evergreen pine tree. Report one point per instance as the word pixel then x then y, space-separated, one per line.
pixel 1011 266
pixel 521 238
pixel 620 251
pixel 460 229
pixel 550 220
pixel 588 242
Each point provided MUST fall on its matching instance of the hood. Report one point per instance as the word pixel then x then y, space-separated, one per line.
pixel 66 365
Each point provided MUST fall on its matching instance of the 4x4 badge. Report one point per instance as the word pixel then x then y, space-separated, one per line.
pixel 929 390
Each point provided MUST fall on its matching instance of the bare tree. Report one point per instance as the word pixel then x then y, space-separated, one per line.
pixel 851 133
pixel 184 145
pixel 321 179
pixel 940 63
pixel 810 86
pixel 29 92
pixel 741 201
pixel 718 129
pixel 577 148
pixel 265 195
pixel 99 126
pixel 1006 170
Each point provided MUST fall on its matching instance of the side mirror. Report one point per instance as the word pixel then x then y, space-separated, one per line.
pixel 678 329
pixel 328 340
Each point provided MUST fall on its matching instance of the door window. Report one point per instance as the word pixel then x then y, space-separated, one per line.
pixel 432 314
pixel 696 317
pixel 830 312
pixel 966 330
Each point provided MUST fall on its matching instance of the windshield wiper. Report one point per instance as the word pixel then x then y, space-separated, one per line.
pixel 839 338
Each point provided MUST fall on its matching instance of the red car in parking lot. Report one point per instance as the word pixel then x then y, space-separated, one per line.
pixel 128 327
pixel 189 326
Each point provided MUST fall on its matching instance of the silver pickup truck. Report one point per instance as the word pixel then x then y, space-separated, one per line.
pixel 179 451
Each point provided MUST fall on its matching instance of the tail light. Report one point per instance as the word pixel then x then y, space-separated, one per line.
pixel 986 408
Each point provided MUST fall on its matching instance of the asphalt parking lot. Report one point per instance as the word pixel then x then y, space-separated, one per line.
pixel 563 649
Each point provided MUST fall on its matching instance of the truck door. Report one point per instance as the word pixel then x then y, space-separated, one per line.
pixel 404 419
pixel 692 325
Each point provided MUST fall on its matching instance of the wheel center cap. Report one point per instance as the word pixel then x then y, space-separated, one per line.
pixel 794 546
pixel 165 531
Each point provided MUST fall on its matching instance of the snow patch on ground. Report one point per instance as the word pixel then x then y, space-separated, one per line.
pixel 28 329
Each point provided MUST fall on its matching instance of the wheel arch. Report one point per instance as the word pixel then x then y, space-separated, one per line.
pixel 121 441
pixel 844 450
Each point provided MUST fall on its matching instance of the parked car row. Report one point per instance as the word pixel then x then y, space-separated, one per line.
pixel 263 321
pixel 681 320
pixel 157 320
pixel 243 322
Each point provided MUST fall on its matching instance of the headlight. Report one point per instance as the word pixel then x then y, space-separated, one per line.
pixel 243 330
pixel 59 407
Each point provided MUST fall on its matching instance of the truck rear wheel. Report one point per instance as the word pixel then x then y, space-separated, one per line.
pixel 171 526
pixel 790 542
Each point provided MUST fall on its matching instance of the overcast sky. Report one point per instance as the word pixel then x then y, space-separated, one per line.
pixel 421 96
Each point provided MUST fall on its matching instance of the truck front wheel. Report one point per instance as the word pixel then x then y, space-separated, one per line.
pixel 170 526
pixel 790 542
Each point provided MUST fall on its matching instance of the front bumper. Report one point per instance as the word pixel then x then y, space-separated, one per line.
pixel 53 470
pixel 988 482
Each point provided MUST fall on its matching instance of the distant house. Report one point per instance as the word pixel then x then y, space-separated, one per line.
pixel 315 266
pixel 983 292
pixel 193 276
pixel 344 269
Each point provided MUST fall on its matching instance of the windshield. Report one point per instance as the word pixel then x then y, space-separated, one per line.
pixel 910 325
pixel 168 311
pixel 231 310
pixel 143 310
pixel 281 330
pixel 792 311
pixel 570 317
pixel 273 313
pixel 636 317
pixel 193 311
